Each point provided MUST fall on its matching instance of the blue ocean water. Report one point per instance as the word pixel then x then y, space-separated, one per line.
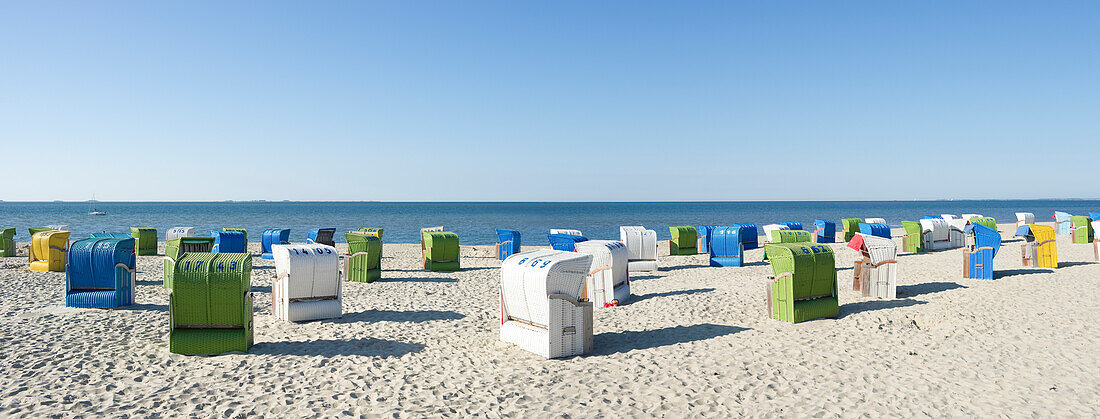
pixel 475 221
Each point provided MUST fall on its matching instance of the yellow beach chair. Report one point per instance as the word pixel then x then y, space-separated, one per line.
pixel 1040 249
pixel 49 250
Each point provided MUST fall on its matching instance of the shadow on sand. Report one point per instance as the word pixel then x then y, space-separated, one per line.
pixel 1005 273
pixel 610 343
pixel 419 279
pixel 1070 264
pixel 853 308
pixel 397 316
pixel 331 347
pixel 669 294
pixel 926 288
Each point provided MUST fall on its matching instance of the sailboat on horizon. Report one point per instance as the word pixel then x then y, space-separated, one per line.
pixel 95 211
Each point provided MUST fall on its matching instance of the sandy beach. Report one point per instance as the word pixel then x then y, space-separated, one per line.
pixel 693 340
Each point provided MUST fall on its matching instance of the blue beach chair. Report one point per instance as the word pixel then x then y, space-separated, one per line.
pixel 793 225
pixel 703 232
pixel 749 235
pixel 100 273
pixel 321 236
pixel 1063 223
pixel 228 242
pixel 875 229
pixel 508 243
pixel 726 246
pixel 824 231
pixel 978 259
pixel 566 242
pixel 271 237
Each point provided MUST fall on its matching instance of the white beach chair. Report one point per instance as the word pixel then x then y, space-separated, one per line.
pixel 641 248
pixel 540 303
pixel 875 275
pixel 769 228
pixel 949 217
pixel 1023 218
pixel 307 282
pixel 177 232
pixel 968 217
pixel 566 231
pixel 62 227
pixel 875 220
pixel 608 281
pixel 937 234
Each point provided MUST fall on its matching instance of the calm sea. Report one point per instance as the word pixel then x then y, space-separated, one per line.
pixel 475 221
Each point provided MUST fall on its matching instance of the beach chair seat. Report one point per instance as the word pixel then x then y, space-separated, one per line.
pixel 541 304
pixel 100 273
pixel 228 242
pixel 508 243
pixel 1082 229
pixel 371 231
pixel 641 248
pixel 307 282
pixel 750 235
pixel 875 229
pixel 726 246
pixel 937 234
pixel 1063 222
pixel 146 238
pixel 440 250
pixel 608 281
pixel 210 305
pixel 704 237
pixel 49 251
pixel 978 258
pixel 176 248
pixel 7 242
pixel 913 241
pixel 851 227
pixel 564 242
pixel 364 260
pixel 1040 249
pixel 824 231
pixel 243 231
pixel 684 241
pixel 875 274
pixel 179 232
pixel 804 283
pixel 321 236
pixel 271 237
pixel 769 229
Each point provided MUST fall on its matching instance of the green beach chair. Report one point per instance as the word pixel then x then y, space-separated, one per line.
pixel 210 306
pixel 684 241
pixel 365 256
pixel 1082 229
pixel 145 240
pixel 176 248
pixel 440 251
pixel 790 236
pixel 851 227
pixel 243 231
pixel 376 232
pixel 985 221
pixel 7 242
pixel 912 242
pixel 804 286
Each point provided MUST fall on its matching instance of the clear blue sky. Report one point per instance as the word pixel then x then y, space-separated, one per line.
pixel 549 101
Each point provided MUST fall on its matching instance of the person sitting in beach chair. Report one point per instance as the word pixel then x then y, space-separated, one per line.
pixel 100 273
pixel 210 305
pixel 726 246
pixel 876 273
pixel 508 243
pixel 1063 222
pixel 978 258
pixel 608 281
pixel 178 232
pixel 364 261
pixel 439 249
pixel 228 242
pixel 641 248
pixel 7 242
pixel 564 242
pixel 146 238
pixel 1040 248
pixel 271 237
pixel 851 227
pixel 176 248
pixel 804 283
pixel 1082 229
pixel 541 303
pixel 321 236
pixel 824 231
pixel 307 282
pixel 684 241
pixel 49 250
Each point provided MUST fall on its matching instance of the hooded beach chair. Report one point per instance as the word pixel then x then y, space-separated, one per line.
pixel 176 248
pixel 243 232
pixel 793 225
pixel 608 281
pixel 771 228
pixel 824 231
pixel 875 229
pixel 978 258
pixel 1063 222
pixel 936 234
pixel 1040 248
pixel 564 242
pixel 271 237
pixel 229 242
pixel 34 230
pixel 1024 218
pixel 321 236
pixel 1082 229
pixel 971 216
pixel 100 273
pixel 440 251
pixel 541 303
pixel 178 232
pixel 210 305
pixel 112 236
pixel 931 217
pixel 48 251
pixel 750 235
pixel 804 283
pixel 876 274
pixel 364 261
pixel 7 242
pixel 641 248
pixel 985 221
pixel 146 238
pixel 726 247
pixel 684 241
pixel 565 231
pixel 370 231
pixel 307 282
pixel 851 227
pixel 913 241
pixel 875 220
pixel 704 237
pixel 508 243
pixel 791 236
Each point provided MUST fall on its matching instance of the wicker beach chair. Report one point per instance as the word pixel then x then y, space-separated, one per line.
pixel 913 241
pixel 565 231
pixel 112 236
pixel 793 225
pixel 1040 247
pixel 34 230
pixel 985 221
pixel 321 236
pixel 936 234
pixel 726 247
pixel 100 273
pixel 508 243
pixel 876 273
pixel 978 258
pixel 210 306
pixel 704 237
pixel 641 248
pixel 175 249
pixel 875 220
pixel 1063 222
pixel 769 229
pixel 791 236
pixel 541 307
pixel 307 282
pixel 824 231
pixel 243 231
pixel 608 281
pixel 875 229
pixel 146 238
pixel 564 242
pixel 750 235
pixel 440 251
pixel 684 241
pixel 371 231
pixel 178 232
pixel 229 242
pixel 48 251
pixel 1024 218
pixel 851 227
pixel 804 283
pixel 364 260
pixel 271 237
pixel 7 242
pixel 1082 229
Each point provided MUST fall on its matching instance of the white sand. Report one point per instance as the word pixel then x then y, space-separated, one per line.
pixel 694 340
